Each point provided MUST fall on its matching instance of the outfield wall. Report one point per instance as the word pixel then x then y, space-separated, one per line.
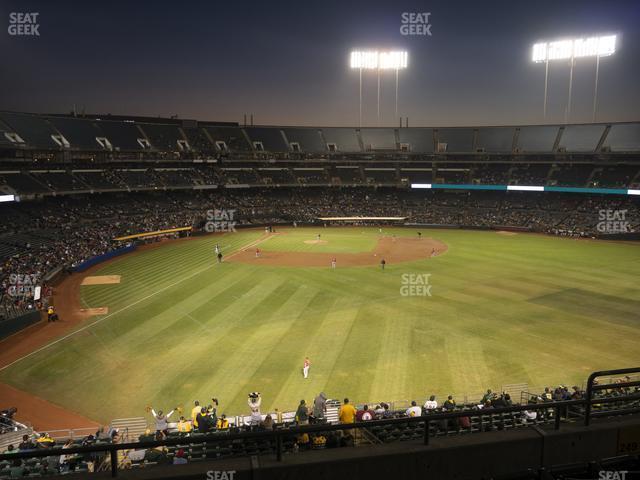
pixel 15 324
pixel 101 258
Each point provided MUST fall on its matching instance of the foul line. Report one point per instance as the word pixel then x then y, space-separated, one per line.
pixel 197 272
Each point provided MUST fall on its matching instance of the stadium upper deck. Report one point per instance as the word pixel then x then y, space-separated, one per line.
pixel 31 132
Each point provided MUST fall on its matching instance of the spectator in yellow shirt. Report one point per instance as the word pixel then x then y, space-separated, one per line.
pixel 194 414
pixel 184 426
pixel 347 413
pixel 223 423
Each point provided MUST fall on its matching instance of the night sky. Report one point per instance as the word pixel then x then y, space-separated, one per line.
pixel 287 62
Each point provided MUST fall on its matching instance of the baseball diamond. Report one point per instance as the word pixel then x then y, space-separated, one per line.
pixel 180 325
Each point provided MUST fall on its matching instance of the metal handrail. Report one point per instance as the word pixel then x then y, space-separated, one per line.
pixel 591 387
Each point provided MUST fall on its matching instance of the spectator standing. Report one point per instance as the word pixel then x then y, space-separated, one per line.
pixel 347 413
pixel 302 414
pixel 319 405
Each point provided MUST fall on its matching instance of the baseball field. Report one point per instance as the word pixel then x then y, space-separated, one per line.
pixel 453 311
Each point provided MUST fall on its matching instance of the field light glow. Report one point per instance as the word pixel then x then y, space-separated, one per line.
pixel 373 59
pixel 574 48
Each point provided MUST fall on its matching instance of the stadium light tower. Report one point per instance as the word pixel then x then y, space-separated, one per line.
pixel 375 60
pixel 572 49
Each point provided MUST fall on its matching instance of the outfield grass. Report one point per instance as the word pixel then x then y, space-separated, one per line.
pixel 504 309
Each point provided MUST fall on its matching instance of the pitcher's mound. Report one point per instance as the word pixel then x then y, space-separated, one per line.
pixel 315 242
pixel 101 280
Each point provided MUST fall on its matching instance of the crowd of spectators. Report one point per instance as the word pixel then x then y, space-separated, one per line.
pixel 205 419
pixel 40 236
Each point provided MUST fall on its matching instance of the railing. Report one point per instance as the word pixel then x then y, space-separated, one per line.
pixel 592 387
pixel 570 408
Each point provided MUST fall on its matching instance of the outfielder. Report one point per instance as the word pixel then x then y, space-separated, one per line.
pixel 305 367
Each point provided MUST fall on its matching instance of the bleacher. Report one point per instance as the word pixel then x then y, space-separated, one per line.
pixel 623 137
pixel 122 135
pixel 529 174
pixel 419 140
pixel 342 139
pixel 35 130
pixel 537 139
pixel 378 139
pixel 307 139
pixel 311 176
pixel 616 176
pixel 240 175
pixel 570 175
pixel 198 139
pixel 60 180
pixel 163 137
pixel 80 133
pixel 581 138
pixel 232 137
pixel 267 138
pixel 381 175
pixel 276 176
pixel 98 179
pixel 455 140
pixel 346 175
pixel 137 177
pixel 422 174
pixel 495 139
pixel 176 177
pixel 23 182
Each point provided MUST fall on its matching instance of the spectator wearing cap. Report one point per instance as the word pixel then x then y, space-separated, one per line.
pixel 180 458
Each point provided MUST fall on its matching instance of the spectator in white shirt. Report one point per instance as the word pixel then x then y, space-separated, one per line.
pixel 431 404
pixel 162 421
pixel 414 410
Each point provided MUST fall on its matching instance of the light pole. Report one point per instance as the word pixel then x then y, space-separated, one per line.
pixel 378 95
pixel 546 81
pixel 360 123
pixel 397 70
pixel 379 61
pixel 595 90
pixel 571 50
pixel 568 110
